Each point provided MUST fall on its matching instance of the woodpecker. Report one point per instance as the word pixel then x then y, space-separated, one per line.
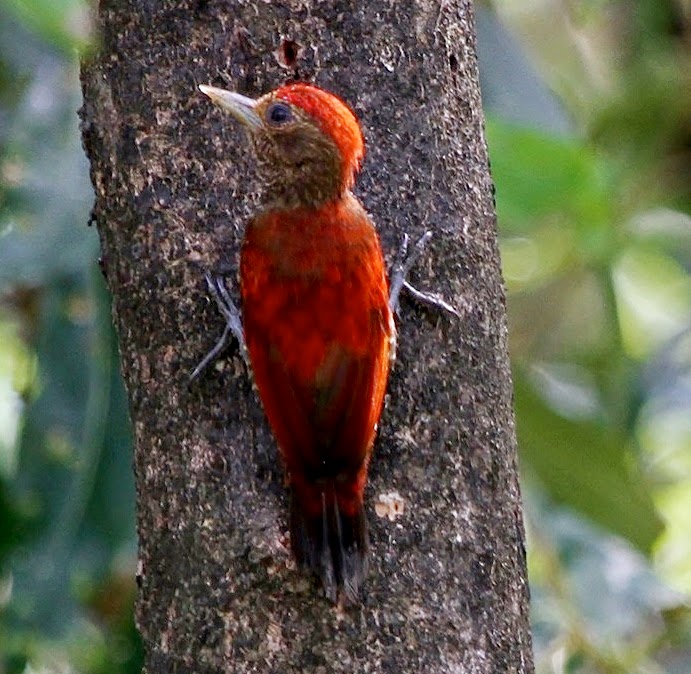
pixel 317 318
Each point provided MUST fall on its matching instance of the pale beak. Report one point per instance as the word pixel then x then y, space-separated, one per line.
pixel 241 107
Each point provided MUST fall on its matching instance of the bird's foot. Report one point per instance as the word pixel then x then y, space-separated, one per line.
pixel 402 266
pixel 217 287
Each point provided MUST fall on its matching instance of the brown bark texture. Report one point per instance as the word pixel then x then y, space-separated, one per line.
pixel 174 184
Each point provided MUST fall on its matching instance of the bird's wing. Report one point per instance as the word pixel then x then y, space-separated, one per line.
pixel 326 423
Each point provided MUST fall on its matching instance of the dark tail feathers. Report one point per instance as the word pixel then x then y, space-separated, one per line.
pixel 333 545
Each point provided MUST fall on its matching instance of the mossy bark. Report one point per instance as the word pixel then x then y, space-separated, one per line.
pixel 173 179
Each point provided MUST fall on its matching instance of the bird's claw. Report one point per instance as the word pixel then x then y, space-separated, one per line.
pixel 217 287
pixel 431 299
pixel 402 266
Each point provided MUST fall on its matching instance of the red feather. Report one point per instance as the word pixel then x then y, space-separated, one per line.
pixel 319 351
pixel 319 332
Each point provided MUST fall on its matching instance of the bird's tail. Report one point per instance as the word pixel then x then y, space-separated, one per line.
pixel 332 542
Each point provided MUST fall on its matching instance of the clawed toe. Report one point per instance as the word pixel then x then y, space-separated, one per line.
pixel 404 263
pixel 217 287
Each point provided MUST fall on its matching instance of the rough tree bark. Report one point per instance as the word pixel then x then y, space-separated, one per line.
pixel 218 593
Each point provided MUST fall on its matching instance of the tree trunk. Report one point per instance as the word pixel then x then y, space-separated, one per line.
pixel 218 590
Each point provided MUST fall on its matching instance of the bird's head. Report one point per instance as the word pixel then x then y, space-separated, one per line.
pixel 308 142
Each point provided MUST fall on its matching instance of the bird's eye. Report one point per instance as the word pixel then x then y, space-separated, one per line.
pixel 279 113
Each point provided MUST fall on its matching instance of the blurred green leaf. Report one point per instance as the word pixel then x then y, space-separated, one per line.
pixel 663 228
pixel 43 231
pixel 67 547
pixel 548 179
pixel 585 466
pixel 56 468
pixel 63 23
pixel 593 596
pixel 74 478
pixel 11 531
pixel 44 197
pixel 653 294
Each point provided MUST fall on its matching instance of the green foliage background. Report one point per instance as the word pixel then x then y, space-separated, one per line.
pixel 588 112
